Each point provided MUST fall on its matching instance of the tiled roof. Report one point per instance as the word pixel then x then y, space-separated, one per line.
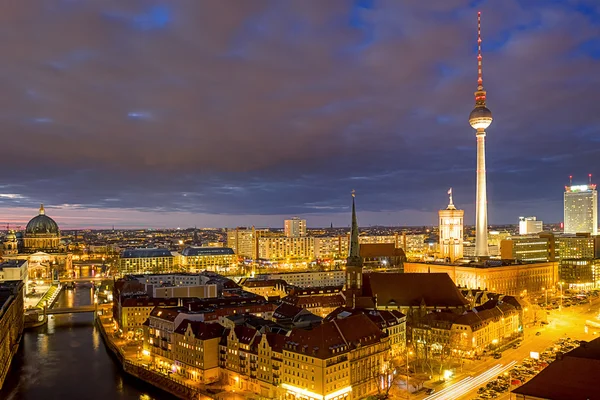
pixel 168 314
pixel 411 289
pixel 201 330
pixel 245 334
pixel 371 250
pixel 315 301
pixel 276 341
pixel 286 310
pixel 148 302
pixel 334 337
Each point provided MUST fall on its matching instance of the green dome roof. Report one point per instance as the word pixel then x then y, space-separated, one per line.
pixel 42 224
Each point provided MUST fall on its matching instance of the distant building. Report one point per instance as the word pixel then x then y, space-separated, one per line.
pixel 41 246
pixel 530 225
pixel 579 260
pixel 309 278
pixel 528 248
pixel 11 323
pixel 581 209
pixel 146 261
pixel 276 248
pixel 196 259
pixel 295 227
pixel 451 231
pixel 244 241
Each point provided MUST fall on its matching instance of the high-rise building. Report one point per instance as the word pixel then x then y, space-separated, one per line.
pixel 530 226
pixel 295 227
pixel 581 209
pixel 480 118
pixel 451 231
pixel 244 241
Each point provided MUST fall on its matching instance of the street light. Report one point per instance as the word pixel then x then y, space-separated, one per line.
pixel 561 295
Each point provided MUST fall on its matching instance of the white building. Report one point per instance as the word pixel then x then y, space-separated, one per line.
pixel 451 231
pixel 530 226
pixel 15 270
pixel 581 209
pixel 295 227
pixel 310 279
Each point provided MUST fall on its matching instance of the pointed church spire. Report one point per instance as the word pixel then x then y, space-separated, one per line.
pixel 354 252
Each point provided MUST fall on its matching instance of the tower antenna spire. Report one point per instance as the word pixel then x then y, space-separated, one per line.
pixel 570 180
pixel 590 178
pixel 479 56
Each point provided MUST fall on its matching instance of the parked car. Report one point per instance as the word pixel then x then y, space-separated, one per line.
pixel 538 333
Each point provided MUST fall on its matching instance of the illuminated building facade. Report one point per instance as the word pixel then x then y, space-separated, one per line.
pixel 530 225
pixel 294 227
pixel 146 261
pixel 581 209
pixel 451 231
pixel 41 246
pixel 527 248
pixel 479 119
pixel 301 248
pixel 310 278
pixel 504 277
pixel 11 323
pixel 244 241
pixel 196 259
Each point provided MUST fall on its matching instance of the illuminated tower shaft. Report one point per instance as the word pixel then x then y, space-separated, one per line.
pixel 480 119
pixel 481 229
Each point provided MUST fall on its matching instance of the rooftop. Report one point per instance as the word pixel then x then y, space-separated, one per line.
pixel 146 253
pixel 12 264
pixel 573 376
pixel 406 290
pixel 206 251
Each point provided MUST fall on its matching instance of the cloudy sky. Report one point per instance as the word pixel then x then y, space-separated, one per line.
pixel 221 113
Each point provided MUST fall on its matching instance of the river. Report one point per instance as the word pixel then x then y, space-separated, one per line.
pixel 66 359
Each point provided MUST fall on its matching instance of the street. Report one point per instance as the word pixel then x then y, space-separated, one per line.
pixel 569 322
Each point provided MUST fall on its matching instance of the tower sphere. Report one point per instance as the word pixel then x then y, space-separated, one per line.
pixel 480 118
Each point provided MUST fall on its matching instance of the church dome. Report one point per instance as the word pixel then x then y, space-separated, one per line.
pixel 42 224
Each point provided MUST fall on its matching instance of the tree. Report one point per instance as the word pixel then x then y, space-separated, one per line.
pixel 386 375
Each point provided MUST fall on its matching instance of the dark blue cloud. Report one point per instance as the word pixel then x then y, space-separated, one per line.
pixel 282 107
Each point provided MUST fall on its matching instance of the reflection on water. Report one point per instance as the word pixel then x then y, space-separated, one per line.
pixel 66 359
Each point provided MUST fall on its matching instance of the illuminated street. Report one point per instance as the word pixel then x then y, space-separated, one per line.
pixel 570 322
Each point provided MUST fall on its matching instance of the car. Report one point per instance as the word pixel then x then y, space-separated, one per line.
pixel 538 333
pixel 430 391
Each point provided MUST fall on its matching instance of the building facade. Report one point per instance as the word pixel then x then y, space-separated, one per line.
pixel 527 249
pixel 530 225
pixel 500 277
pixel 216 259
pixel 294 227
pixel 146 261
pixel 41 246
pixel 277 248
pixel 451 223
pixel 11 323
pixel 581 209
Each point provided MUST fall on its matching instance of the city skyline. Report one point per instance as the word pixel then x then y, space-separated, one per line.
pixel 288 108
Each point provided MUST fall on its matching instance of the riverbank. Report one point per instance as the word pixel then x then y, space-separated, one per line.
pixel 127 356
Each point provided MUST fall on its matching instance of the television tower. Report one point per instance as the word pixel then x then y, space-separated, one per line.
pixel 480 118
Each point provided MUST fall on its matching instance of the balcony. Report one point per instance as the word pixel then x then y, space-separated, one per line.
pixel 223 351
pixel 242 356
pixel 275 367
pixel 253 369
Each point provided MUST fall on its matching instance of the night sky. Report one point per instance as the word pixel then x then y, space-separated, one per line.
pixel 222 113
